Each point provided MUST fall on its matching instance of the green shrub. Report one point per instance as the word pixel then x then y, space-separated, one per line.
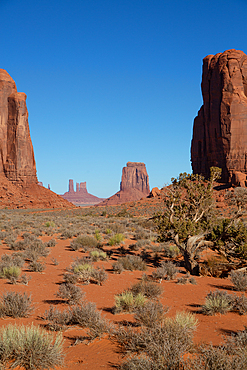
pixel 12 273
pixel 128 302
pixel 97 254
pixel 30 347
pixel 217 302
pixel 116 239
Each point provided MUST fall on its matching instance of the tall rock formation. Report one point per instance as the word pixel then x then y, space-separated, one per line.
pixel 81 195
pixel 220 129
pixel 17 161
pixel 18 180
pixel 134 185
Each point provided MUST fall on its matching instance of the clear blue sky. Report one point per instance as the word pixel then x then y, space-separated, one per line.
pixel 112 81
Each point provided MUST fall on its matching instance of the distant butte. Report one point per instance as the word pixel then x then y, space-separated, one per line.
pixel 18 180
pixel 134 185
pixel 220 128
pixel 81 195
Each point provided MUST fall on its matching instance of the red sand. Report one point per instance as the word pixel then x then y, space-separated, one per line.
pixel 103 353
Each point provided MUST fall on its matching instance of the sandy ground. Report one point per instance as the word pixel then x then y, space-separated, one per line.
pixel 104 354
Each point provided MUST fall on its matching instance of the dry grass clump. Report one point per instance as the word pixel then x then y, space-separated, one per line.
pixel 57 320
pixel 116 239
pixel 166 271
pixel 128 302
pixel 97 254
pixel 239 280
pixel 15 304
pixel 30 348
pixel 187 279
pixel 84 242
pixel 129 262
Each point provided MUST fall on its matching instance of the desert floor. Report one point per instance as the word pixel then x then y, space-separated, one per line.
pixel 43 286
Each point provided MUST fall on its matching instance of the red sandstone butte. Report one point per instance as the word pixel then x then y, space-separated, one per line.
pixel 220 129
pixel 81 195
pixel 134 185
pixel 18 180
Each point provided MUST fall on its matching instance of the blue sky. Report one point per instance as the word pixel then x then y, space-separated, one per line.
pixel 112 81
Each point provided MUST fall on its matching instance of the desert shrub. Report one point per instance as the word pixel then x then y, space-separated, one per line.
pixel 29 347
pixel 217 302
pixel 116 239
pixel 166 271
pixel 70 278
pixel 8 260
pixel 15 304
pixel 118 228
pixel 20 245
pixel 51 243
pixel 36 266
pixel 239 280
pixel 87 316
pixel 137 363
pixel 54 261
pixel 71 293
pixel 97 235
pixel 151 313
pixel 11 273
pixel 163 346
pixel 148 288
pixel 141 233
pixel 84 241
pixel 57 320
pixel 117 267
pixel 97 254
pixel 170 250
pixel 188 279
pixel 132 262
pixel 240 304
pixel 49 224
pixel 24 279
pixel 128 302
pixel 35 250
pixel 99 275
pixel 66 234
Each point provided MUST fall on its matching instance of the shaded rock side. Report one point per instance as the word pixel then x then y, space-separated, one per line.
pixel 17 161
pixel 81 195
pixel 134 185
pixel 220 128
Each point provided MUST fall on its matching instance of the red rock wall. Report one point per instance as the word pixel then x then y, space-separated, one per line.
pixel 220 129
pixel 16 151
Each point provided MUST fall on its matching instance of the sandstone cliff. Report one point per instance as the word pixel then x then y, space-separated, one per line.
pixel 81 195
pixel 220 129
pixel 18 180
pixel 134 185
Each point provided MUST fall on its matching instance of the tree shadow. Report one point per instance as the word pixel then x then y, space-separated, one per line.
pixel 225 287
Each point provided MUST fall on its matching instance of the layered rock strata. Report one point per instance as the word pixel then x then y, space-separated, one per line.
pixel 81 195
pixel 220 128
pixel 134 185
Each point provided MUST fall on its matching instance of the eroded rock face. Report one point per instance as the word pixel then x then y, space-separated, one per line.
pixel 134 176
pixel 134 185
pixel 220 129
pixel 17 161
